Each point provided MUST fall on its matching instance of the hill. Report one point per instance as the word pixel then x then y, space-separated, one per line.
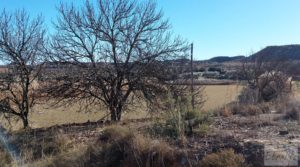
pixel 221 59
pixel 284 52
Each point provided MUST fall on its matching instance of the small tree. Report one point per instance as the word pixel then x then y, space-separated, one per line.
pixel 21 47
pixel 117 50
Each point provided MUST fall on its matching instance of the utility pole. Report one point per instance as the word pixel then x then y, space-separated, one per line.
pixel 192 75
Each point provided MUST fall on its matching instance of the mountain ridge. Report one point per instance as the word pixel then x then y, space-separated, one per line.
pixel 274 52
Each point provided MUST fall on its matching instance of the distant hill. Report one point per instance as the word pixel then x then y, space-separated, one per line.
pixel 285 52
pixel 222 59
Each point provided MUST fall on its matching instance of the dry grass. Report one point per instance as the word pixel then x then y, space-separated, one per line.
pixel 245 109
pixel 119 146
pixel 5 159
pixel 219 95
pixel 44 115
pixel 223 158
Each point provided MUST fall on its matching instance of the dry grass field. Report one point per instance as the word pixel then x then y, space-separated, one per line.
pixel 44 115
pixel 217 96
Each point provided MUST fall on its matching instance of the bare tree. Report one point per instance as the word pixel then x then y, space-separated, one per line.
pixel 117 49
pixel 21 47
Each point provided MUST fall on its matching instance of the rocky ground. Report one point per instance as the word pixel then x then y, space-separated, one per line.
pixel 265 139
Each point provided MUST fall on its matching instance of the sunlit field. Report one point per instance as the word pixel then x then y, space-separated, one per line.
pixel 218 95
pixel 45 115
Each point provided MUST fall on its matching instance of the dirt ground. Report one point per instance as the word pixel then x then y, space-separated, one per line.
pixel 251 136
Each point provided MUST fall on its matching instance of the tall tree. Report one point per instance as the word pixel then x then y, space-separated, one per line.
pixel 21 47
pixel 118 50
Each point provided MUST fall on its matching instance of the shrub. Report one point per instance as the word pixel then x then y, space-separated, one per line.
pixel 118 146
pixel 293 114
pixel 176 126
pixel 291 111
pixel 248 96
pixel 124 148
pixel 245 109
pixel 223 158
pixel 5 159
pixel 34 147
pixel 203 129
pixel 180 119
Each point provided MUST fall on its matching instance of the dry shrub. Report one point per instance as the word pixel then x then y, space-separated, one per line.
pixel 291 110
pixel 292 114
pixel 226 111
pixel 251 110
pixel 121 147
pixel 248 96
pixel 5 159
pixel 75 158
pixel 118 146
pixel 33 148
pixel 289 107
pixel 225 158
pixel 153 154
pixel 243 109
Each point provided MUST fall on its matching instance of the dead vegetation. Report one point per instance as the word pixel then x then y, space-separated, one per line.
pixel 5 159
pixel 223 158
pixel 119 146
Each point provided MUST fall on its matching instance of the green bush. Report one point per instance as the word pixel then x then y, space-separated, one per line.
pixel 180 119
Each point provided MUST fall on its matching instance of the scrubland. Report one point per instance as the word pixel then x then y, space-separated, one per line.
pixel 222 133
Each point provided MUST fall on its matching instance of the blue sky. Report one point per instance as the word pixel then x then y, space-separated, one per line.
pixel 217 27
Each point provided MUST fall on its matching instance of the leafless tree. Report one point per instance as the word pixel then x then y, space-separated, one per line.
pixel 117 49
pixel 267 79
pixel 21 47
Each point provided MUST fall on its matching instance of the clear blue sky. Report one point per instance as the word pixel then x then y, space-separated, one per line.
pixel 217 27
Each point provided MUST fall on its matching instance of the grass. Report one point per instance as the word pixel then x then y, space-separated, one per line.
pixel 218 95
pixel 223 158
pixel 118 146
pixel 45 115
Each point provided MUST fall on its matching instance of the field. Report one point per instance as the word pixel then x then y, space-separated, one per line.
pixel 218 95
pixel 44 115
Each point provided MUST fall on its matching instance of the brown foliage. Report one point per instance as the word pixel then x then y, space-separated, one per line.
pixel 223 158
pixel 118 146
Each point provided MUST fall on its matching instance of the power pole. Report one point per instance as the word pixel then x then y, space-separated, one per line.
pixel 192 75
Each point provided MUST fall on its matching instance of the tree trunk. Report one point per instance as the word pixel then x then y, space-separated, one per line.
pixel 115 113
pixel 25 122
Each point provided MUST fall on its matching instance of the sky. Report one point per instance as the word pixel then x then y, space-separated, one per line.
pixel 216 27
